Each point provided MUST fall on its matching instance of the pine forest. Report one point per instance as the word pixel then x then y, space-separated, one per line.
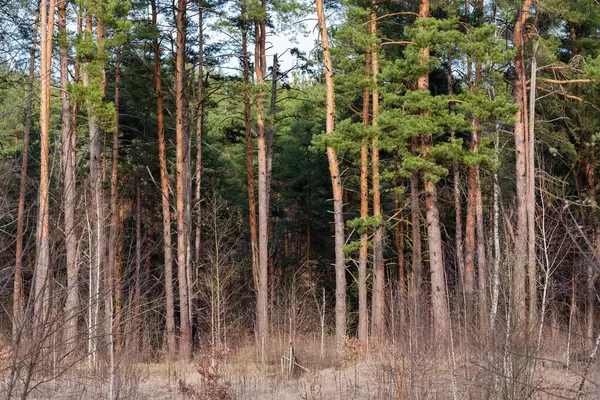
pixel 299 199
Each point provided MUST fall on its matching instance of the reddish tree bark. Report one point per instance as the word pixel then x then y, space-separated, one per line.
pixel 249 147
pixel 263 211
pixel 41 293
pixel 521 246
pixel 399 242
pixel 113 239
pixel 363 311
pixel 377 301
pixel 185 332
pixel 590 279
pixel 336 182
pixel 164 185
pixel 417 264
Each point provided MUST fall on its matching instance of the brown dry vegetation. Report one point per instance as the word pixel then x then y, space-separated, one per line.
pixel 392 371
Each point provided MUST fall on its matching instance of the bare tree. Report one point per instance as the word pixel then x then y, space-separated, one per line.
pixel 18 301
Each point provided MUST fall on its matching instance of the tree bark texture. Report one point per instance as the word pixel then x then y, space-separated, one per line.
pixel 521 247
pixel 42 273
pixel 377 301
pixel 164 185
pixel 260 68
pixel 185 333
pixel 336 181
pixel 439 301
pixel 363 311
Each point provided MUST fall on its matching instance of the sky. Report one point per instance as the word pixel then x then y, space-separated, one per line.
pixel 302 34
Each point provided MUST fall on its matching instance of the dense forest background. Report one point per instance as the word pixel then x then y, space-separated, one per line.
pixel 421 184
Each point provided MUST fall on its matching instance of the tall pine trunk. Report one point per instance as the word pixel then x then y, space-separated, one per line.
pixel 417 263
pixel 270 143
pixel 377 320
pixel 263 211
pixel 69 138
pixel 249 147
pixel 113 238
pixel 363 311
pixel 69 198
pixel 199 126
pixel 399 242
pixel 97 245
pixel 118 277
pixel 590 279
pixel 482 295
pixel 137 307
pixel 336 182
pixel 185 338
pixel 470 241
pixel 521 246
pixel 439 301
pixel 458 238
pixel 41 292
pixel 164 185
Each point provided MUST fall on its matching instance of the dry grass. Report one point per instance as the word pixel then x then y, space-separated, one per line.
pixel 390 371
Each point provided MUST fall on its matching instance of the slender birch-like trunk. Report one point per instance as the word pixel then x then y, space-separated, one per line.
pixel 18 301
pixel 531 253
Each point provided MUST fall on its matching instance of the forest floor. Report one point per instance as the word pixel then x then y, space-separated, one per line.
pixel 363 380
pixel 385 374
